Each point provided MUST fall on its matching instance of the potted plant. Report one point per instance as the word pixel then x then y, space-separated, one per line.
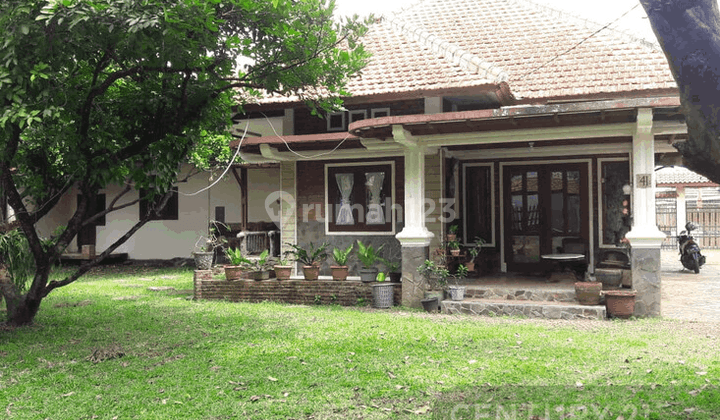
pixel 436 276
pixel 382 292
pixel 205 247
pixel 454 247
pixel 235 269
pixel 310 258
pixel 340 269
pixel 283 269
pixel 258 269
pixel 457 291
pixel 368 256
pixel 393 268
pixel 452 233
pixel 474 252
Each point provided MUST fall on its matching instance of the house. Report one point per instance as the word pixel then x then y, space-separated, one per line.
pixel 520 124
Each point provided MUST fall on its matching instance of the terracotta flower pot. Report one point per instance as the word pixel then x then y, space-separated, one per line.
pixel 234 272
pixel 588 292
pixel 311 272
pixel 283 272
pixel 620 303
pixel 455 252
pixel 339 272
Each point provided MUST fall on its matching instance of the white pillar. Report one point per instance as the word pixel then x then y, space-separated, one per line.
pixel 415 233
pixel 680 209
pixel 645 237
pixel 415 237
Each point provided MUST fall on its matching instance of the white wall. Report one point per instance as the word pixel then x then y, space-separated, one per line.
pixel 261 126
pixel 159 239
pixel 261 183
pixel 165 239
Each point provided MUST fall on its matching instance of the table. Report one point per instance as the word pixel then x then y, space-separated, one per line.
pixel 575 263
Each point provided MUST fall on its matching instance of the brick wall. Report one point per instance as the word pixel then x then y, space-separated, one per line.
pixel 346 293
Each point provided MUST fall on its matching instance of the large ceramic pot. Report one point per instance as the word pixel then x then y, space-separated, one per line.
pixel 611 278
pixel 620 303
pixel 203 260
pixel 588 292
pixel 457 293
pixel 430 304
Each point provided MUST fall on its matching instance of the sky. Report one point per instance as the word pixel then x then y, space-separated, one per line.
pixel 602 12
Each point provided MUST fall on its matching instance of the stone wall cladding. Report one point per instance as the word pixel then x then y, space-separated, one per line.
pixel 524 309
pixel 548 295
pixel 327 292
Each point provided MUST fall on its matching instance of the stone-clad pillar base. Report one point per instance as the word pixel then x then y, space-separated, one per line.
pixel 646 275
pixel 413 284
pixel 646 281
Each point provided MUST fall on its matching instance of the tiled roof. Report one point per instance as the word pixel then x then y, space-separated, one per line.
pixel 539 52
pixel 679 175
pixel 538 48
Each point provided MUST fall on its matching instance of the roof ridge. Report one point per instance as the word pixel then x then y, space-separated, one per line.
pixel 587 23
pixel 460 57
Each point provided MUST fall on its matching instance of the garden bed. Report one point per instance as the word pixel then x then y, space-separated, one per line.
pixel 345 293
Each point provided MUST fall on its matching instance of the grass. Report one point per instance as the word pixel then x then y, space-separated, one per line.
pixel 109 348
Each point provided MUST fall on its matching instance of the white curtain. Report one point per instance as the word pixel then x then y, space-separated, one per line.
pixel 374 183
pixel 345 184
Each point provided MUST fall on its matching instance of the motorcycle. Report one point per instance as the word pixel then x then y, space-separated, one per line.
pixel 690 255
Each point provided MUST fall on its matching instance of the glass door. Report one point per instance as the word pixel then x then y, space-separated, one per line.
pixel 545 209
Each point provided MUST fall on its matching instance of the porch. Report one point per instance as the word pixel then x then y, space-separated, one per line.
pixel 512 294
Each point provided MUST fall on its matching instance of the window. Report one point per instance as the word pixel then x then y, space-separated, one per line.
pixel 479 201
pixel 358 115
pixel 336 121
pixel 359 198
pixel 170 212
pixel 615 203
pixel 380 112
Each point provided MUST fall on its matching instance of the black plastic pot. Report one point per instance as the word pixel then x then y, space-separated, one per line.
pixel 430 305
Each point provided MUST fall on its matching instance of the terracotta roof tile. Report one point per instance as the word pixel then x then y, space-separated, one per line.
pixel 538 48
pixel 679 175
pixel 538 51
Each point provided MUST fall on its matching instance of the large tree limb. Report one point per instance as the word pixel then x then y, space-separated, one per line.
pixel 689 34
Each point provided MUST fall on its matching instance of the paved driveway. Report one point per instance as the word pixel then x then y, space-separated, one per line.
pixel 690 296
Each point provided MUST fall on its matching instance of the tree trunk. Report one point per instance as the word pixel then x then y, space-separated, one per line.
pixel 689 34
pixel 21 309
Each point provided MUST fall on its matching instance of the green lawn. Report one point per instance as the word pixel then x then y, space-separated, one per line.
pixel 109 348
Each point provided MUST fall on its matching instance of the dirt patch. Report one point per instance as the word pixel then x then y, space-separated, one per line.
pixel 113 351
pixel 73 304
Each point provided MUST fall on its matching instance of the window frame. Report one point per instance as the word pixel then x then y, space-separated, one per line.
pixel 489 242
pixel 375 111
pixel 360 168
pixel 170 212
pixel 331 127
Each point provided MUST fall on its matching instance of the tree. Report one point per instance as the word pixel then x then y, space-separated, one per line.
pixel 102 92
pixel 689 34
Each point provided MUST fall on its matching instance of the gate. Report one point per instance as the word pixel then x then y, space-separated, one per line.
pixel 666 219
pixel 707 215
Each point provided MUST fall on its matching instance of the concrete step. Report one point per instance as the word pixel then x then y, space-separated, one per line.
pixel 540 293
pixel 523 308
